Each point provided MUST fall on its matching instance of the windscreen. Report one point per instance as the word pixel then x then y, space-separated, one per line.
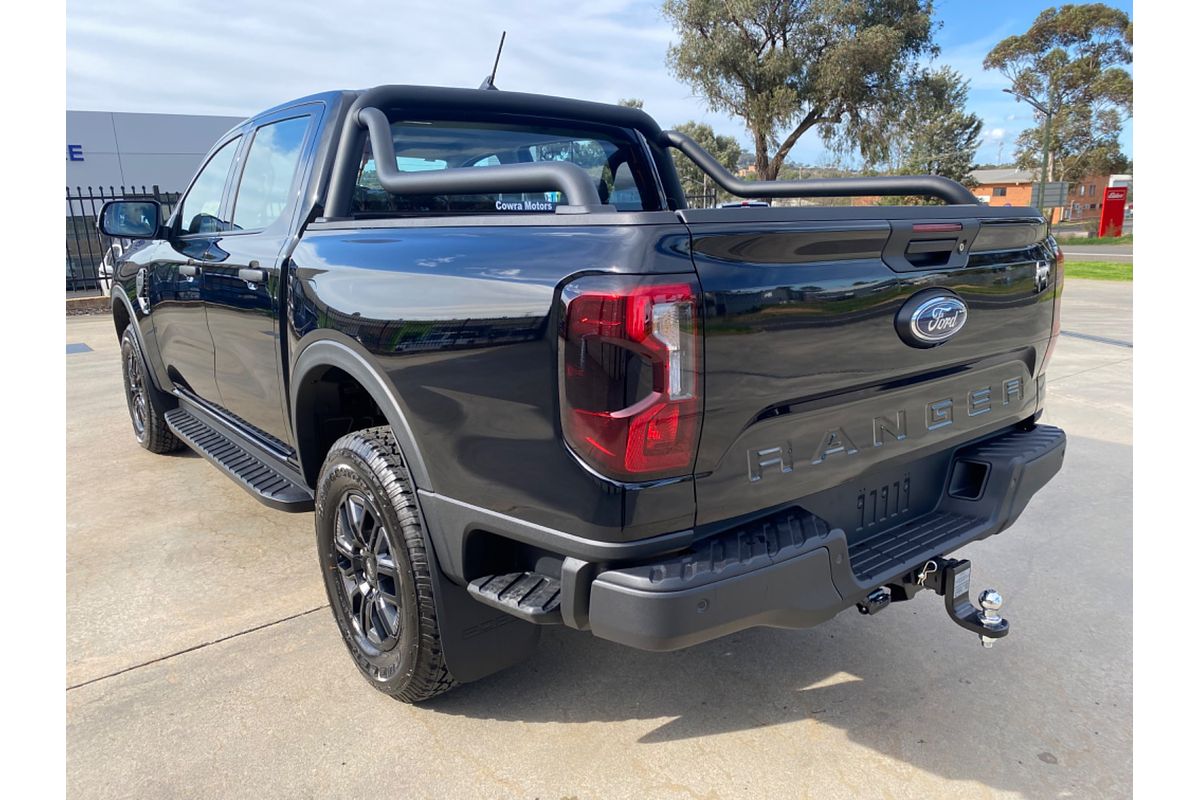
pixel 611 156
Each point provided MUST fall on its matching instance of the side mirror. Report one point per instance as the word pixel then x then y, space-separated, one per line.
pixel 130 219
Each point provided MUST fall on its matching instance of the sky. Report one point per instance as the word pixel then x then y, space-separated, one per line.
pixel 238 58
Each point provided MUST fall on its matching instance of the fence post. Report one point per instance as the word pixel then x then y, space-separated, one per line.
pixel 85 245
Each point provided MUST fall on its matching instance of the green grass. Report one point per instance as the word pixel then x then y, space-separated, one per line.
pixel 1067 241
pixel 1100 270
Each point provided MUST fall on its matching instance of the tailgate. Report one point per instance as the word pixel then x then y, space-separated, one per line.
pixel 808 383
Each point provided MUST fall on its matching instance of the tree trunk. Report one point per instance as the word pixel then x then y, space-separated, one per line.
pixel 785 147
pixel 762 161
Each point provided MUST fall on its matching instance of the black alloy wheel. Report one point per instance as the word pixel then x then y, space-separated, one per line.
pixel 147 405
pixel 378 566
pixel 135 392
pixel 368 570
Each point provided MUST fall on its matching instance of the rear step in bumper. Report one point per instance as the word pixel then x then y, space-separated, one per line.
pixel 793 571
pixel 529 595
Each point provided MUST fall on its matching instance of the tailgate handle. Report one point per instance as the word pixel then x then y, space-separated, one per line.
pixel 932 246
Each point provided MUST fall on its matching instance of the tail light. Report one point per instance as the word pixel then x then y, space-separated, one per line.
pixel 1056 325
pixel 629 374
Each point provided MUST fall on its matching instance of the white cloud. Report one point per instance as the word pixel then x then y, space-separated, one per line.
pixel 237 58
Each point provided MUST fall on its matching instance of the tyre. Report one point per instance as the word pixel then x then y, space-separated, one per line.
pixel 146 403
pixel 376 567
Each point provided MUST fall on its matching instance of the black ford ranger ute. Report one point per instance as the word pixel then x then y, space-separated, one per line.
pixel 522 383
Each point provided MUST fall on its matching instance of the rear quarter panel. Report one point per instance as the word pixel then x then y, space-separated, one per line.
pixel 461 319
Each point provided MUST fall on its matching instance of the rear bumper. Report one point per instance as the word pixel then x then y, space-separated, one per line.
pixel 795 569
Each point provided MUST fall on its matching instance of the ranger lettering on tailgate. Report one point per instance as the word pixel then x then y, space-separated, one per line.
pixel 838 441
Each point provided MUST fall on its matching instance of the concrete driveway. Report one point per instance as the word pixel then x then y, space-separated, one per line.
pixel 203 662
pixel 1097 252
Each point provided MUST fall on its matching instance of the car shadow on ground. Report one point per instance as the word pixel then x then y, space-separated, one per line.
pixel 906 683
pixel 919 703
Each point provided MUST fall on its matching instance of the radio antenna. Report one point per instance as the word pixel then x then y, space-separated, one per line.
pixel 489 83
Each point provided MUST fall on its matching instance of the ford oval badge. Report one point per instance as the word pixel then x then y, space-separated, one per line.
pixel 931 317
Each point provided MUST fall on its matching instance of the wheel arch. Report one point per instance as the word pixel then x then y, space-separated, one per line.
pixel 125 317
pixel 122 316
pixel 313 362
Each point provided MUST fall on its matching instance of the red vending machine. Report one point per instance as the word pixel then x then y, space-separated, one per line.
pixel 1112 211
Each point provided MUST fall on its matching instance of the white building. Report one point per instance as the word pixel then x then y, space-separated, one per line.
pixel 106 148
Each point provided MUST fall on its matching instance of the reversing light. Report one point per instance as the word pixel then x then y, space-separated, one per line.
pixel 1056 324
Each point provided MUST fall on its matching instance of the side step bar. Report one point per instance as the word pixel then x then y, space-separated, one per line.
pixel 529 595
pixel 266 482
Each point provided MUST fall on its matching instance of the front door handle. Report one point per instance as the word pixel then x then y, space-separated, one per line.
pixel 251 275
pixel 189 270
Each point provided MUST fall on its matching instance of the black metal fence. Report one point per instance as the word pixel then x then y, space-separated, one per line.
pixel 704 200
pixel 87 269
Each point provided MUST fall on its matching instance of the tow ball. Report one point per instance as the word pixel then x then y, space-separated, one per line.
pixel 950 578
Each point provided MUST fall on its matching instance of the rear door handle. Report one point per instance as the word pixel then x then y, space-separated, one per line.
pixel 189 270
pixel 252 275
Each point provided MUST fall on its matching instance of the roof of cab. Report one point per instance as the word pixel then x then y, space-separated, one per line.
pixel 328 98
pixel 443 97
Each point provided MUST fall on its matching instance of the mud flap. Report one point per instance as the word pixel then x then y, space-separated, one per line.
pixel 477 640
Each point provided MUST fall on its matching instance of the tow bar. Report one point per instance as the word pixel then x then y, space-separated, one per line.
pixel 950 578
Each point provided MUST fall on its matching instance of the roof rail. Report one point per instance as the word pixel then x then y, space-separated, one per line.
pixel 952 192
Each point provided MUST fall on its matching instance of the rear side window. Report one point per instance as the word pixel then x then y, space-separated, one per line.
pixel 202 205
pixel 265 190
pixel 610 156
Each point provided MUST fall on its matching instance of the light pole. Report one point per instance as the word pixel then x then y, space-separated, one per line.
pixel 1045 142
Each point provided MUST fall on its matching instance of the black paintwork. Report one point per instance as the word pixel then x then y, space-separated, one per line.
pixel 450 323
pixel 800 340
pixel 460 321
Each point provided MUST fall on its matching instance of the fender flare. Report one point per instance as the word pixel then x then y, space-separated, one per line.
pixel 119 297
pixel 334 349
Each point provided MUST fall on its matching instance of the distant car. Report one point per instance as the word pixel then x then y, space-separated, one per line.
pixel 744 204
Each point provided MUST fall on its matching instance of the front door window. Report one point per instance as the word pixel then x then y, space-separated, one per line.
pixel 201 208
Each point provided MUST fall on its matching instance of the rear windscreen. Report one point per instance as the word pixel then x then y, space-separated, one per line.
pixel 611 156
